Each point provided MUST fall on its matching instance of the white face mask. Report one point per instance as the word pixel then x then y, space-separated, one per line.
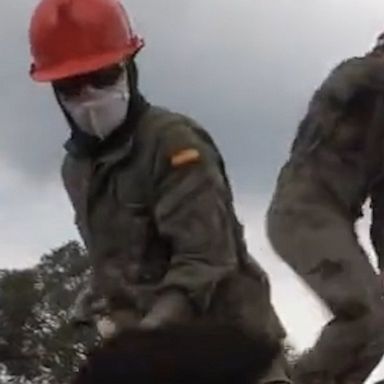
pixel 99 112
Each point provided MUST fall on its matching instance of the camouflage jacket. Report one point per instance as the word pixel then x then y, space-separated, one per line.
pixel 156 214
pixel 337 156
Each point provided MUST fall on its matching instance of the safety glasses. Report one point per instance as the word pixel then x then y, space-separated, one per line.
pixel 72 86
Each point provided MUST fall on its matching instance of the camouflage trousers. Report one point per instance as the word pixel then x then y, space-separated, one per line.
pixel 322 247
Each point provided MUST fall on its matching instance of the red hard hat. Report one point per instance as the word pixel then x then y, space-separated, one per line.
pixel 72 37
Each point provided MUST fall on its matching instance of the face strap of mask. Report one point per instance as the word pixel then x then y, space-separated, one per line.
pixel 72 86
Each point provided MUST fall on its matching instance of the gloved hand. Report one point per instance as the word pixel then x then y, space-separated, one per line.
pixel 171 307
pixel 106 327
pixel 86 308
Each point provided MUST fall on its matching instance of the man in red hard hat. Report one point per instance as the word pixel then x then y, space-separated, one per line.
pixel 335 165
pixel 152 200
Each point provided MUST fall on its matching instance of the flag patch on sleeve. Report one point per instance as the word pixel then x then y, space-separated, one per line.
pixel 185 156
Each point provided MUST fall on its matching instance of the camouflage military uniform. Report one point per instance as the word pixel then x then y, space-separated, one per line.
pixel 155 212
pixel 336 163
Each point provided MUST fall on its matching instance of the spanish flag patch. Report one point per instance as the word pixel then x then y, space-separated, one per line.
pixel 185 156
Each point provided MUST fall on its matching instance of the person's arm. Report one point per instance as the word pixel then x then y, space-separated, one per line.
pixel 191 214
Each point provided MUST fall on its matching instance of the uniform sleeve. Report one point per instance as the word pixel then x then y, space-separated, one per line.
pixel 192 216
pixel 377 223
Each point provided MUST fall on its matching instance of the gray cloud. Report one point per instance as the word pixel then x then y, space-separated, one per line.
pixel 244 69
pixel 31 127
pixel 247 70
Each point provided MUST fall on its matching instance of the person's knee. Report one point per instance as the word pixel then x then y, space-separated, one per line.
pixel 354 307
pixel 376 322
pixel 367 320
pixel 351 308
pixel 352 303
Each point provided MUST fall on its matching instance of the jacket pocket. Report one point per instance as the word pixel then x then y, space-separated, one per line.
pixel 132 219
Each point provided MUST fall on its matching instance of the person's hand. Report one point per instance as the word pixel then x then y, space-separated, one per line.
pixel 106 327
pixel 172 307
pixel 86 309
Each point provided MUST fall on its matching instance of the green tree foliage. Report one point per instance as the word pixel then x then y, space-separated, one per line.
pixel 37 342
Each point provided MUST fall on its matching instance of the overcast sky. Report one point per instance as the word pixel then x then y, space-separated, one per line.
pixel 245 69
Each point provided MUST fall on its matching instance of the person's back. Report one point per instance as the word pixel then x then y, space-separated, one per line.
pixel 335 164
pixel 332 154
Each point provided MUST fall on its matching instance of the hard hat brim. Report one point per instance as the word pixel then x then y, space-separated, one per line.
pixel 79 67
